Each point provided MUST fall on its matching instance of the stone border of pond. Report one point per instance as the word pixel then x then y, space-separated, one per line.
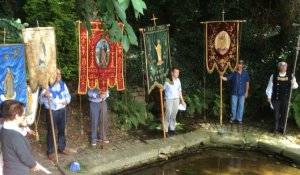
pixel 162 149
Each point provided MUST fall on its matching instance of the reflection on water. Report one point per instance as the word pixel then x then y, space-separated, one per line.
pixel 223 162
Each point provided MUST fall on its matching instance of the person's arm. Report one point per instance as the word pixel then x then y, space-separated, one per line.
pixel 247 89
pixel 92 94
pixel 23 152
pixel 294 83
pixel 42 98
pixel 227 78
pixel 67 95
pixel 180 95
pixel 269 89
pixel 165 86
pixel 247 86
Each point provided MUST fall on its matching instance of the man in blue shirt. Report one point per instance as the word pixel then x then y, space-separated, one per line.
pixel 239 84
pixel 59 99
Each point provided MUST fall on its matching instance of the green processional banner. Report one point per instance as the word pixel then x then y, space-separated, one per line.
pixel 157 55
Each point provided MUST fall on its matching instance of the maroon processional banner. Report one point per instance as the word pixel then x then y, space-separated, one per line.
pixel 222 46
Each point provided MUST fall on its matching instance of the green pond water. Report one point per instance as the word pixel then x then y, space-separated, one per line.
pixel 221 162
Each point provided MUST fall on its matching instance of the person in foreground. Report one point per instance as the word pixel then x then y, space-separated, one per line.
pixel 278 91
pixel 96 98
pixel 173 97
pixel 239 83
pixel 59 98
pixel 17 156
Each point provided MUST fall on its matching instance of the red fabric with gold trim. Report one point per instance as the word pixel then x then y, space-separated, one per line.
pixel 222 46
pixel 100 60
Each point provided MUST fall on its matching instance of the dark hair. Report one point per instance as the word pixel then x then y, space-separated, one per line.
pixel 175 68
pixel 10 108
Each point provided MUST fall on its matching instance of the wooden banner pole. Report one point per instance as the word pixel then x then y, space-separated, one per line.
pixel 52 128
pixel 4 34
pixel 291 89
pixel 36 123
pixel 102 110
pixel 162 112
pixel 80 119
pixel 221 101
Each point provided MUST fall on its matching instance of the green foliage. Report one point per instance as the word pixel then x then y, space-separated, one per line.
pixel 128 112
pixel 217 106
pixel 196 102
pixel 295 107
pixel 62 16
pixel 13 30
pixel 113 12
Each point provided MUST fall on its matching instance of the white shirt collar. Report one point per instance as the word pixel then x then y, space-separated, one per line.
pixel 282 74
pixel 12 126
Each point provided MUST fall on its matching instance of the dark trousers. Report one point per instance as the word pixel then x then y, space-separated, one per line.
pixel 280 110
pixel 59 120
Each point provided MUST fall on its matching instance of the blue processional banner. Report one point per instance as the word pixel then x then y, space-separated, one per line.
pixel 12 73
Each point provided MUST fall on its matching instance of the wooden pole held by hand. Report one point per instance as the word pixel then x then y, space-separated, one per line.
pixel 53 131
pixel 102 110
pixel 162 112
pixel 221 101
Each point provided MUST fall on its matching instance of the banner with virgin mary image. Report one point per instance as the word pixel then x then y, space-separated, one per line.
pixel 41 56
pixel 157 55
pixel 12 73
pixel 100 60
pixel 222 45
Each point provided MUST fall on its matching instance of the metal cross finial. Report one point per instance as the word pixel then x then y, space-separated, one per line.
pixel 4 34
pixel 223 15
pixel 154 19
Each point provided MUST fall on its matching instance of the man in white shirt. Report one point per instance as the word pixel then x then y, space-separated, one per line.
pixel 173 96
pixel 278 91
pixel 59 99
pixel 95 98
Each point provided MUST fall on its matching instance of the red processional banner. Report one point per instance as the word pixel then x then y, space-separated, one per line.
pixel 100 60
pixel 222 45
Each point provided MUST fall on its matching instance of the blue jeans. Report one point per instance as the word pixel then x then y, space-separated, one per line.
pixel 59 120
pixel 96 114
pixel 237 107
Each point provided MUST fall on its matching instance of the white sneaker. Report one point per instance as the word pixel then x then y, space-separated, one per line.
pixel 105 141
pixel 93 144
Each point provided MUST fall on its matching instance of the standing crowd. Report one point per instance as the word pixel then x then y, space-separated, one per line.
pixel 16 157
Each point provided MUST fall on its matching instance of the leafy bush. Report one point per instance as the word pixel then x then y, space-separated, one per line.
pixel 197 105
pixel 295 107
pixel 113 12
pixel 127 111
pixel 13 30
pixel 62 16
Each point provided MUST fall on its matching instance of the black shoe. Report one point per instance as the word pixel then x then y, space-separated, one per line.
pixel 174 132
pixel 231 121
pixel 280 130
pixel 240 122
pixel 167 134
pixel 275 132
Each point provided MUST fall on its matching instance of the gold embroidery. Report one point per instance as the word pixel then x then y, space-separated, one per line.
pixel 282 78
